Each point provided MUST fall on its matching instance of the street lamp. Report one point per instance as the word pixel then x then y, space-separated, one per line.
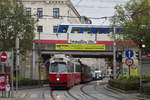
pixel 141 46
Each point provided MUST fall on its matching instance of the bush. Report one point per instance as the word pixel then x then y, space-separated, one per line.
pixel 124 84
pixel 126 77
pixel 27 82
pixel 145 77
pixel 146 88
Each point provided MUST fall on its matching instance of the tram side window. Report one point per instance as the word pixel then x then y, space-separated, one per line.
pixel 75 30
pixel 111 30
pixel 102 30
pixel 78 68
pixel 71 67
pixel 64 30
pixel 86 30
pixel 98 31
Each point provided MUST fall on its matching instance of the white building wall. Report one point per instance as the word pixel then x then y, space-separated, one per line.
pixel 47 21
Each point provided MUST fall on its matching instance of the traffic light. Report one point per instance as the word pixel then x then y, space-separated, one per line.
pixel 142 46
pixel 137 54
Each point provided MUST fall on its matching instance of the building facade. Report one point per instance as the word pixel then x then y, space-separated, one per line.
pixel 48 14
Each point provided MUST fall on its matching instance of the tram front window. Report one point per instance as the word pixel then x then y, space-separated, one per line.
pixel 58 67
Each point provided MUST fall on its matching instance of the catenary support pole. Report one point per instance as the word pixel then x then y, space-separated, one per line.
pixel 114 54
pixel 39 52
pixel 33 61
pixel 12 73
pixel 17 61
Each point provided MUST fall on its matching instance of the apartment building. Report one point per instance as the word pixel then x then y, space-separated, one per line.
pixel 49 14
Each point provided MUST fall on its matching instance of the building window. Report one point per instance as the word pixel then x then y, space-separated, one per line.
pixel 40 29
pixel 56 12
pixel 28 12
pixel 55 28
pixel 39 12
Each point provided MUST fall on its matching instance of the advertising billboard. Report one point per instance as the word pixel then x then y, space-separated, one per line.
pixel 91 47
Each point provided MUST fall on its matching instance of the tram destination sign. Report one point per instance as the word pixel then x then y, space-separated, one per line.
pixel 91 47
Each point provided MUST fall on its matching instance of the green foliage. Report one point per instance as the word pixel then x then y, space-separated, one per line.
pixel 13 23
pixel 133 18
pixel 145 77
pixel 126 82
pixel 122 77
pixel 26 82
pixel 133 77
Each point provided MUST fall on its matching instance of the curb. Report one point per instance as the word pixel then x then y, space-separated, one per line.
pixel 33 87
pixel 115 90
pixel 21 96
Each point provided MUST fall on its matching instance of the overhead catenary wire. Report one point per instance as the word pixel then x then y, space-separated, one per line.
pixel 49 16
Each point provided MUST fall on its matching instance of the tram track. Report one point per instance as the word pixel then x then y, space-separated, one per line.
pixel 82 90
pixel 67 91
pixel 109 95
pixel 51 94
pixel 72 95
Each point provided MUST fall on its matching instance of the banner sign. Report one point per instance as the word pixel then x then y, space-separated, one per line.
pixel 43 72
pixel 93 47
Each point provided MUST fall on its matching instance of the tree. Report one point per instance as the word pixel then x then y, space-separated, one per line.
pixel 133 18
pixel 14 22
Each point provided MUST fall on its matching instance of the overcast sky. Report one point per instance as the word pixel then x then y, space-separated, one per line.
pixel 97 9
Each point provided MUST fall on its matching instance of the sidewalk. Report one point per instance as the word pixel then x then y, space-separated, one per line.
pixel 132 94
pixel 19 95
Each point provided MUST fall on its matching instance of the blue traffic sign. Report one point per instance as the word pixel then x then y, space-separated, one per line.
pixel 129 53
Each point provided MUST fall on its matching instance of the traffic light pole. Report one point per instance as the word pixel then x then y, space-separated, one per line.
pixel 140 68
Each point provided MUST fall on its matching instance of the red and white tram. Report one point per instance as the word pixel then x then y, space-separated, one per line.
pixel 66 72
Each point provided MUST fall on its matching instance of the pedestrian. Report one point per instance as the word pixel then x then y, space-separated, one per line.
pixel 7 86
pixel 2 84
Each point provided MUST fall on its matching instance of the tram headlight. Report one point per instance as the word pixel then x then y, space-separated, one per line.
pixel 57 79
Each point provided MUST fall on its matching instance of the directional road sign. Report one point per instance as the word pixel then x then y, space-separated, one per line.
pixel 129 53
pixel 129 61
